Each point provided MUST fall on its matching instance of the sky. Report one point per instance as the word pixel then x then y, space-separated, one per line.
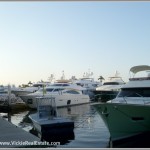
pixel 38 39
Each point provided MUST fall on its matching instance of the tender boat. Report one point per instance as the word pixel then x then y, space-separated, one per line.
pixel 46 120
pixel 127 115
pixel 109 89
pixel 64 92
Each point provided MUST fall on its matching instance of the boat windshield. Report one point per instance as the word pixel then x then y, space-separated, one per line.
pixel 95 85
pixel 134 92
pixel 72 92
pixel 80 84
pixel 111 83
pixel 51 89
pixel 47 89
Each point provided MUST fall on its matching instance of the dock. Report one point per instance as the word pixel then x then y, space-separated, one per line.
pixel 14 137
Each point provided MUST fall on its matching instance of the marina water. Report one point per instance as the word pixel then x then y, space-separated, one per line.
pixel 89 131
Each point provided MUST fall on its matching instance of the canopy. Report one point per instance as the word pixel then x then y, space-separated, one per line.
pixel 136 69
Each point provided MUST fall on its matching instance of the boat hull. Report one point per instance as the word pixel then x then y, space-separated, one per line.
pixel 124 120
pixel 54 128
pixel 60 100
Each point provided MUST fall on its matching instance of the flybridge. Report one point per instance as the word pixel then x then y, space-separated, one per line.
pixel 139 79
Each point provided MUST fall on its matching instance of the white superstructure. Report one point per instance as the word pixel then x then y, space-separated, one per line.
pixel 64 92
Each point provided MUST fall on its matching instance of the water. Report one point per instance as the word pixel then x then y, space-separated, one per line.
pixel 89 132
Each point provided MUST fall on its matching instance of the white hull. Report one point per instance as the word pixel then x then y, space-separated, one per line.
pixel 60 100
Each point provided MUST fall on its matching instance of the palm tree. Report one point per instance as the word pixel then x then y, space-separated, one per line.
pixel 101 78
pixel 29 83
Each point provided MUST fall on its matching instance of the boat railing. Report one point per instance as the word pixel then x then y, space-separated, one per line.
pixel 139 79
pixel 136 100
pixel 46 107
pixel 108 96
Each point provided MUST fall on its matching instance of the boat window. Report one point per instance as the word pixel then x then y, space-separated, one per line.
pixel 72 92
pixel 3 92
pixel 56 85
pixel 60 84
pixel 49 89
pixel 111 83
pixel 80 84
pixel 59 89
pixel 37 85
pixel 65 84
pixel 134 92
pixel 94 85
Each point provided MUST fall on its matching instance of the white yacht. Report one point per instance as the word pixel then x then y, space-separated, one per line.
pixel 88 82
pixel 30 89
pixel 64 92
pixel 109 89
pixel 127 115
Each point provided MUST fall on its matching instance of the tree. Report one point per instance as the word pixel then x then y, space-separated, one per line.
pixel 29 83
pixel 101 78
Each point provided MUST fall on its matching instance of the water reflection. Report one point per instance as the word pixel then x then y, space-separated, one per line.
pixel 63 136
pixel 89 130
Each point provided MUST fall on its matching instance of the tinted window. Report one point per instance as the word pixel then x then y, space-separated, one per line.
pixel 38 85
pixel 111 83
pixel 72 92
pixel 95 85
pixel 65 84
pixel 58 90
pixel 49 89
pixel 134 92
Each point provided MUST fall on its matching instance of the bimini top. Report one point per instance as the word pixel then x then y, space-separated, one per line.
pixel 136 69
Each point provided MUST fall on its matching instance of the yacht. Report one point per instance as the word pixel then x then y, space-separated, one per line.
pixel 64 92
pixel 29 89
pixel 127 115
pixel 109 89
pixel 88 82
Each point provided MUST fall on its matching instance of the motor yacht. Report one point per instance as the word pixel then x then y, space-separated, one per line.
pixel 29 89
pixel 109 89
pixel 64 92
pixel 127 115
pixel 88 82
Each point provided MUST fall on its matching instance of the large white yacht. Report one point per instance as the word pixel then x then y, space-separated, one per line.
pixel 109 89
pixel 127 115
pixel 64 92
pixel 88 82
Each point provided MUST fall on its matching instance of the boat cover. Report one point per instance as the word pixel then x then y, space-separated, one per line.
pixel 136 69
